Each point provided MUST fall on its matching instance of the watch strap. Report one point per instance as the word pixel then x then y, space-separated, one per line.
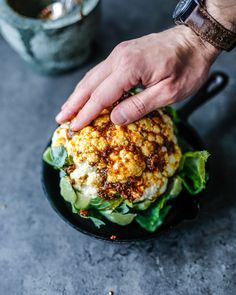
pixel 209 29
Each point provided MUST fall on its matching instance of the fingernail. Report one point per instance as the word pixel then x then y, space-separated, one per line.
pixel 118 117
pixel 73 127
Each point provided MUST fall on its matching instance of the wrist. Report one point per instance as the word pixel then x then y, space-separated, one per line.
pixel 208 51
pixel 224 12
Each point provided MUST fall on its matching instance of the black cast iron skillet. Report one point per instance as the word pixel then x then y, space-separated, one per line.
pixel 185 207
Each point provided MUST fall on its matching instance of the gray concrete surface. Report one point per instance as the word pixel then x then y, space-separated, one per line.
pixel 41 255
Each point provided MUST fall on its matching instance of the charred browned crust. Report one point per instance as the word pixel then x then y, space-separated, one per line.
pixel 130 158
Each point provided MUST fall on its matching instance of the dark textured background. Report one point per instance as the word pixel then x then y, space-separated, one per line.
pixel 41 255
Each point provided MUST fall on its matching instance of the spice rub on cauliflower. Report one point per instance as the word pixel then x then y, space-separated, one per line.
pixel 133 161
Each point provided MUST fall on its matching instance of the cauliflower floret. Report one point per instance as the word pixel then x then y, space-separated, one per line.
pixel 134 161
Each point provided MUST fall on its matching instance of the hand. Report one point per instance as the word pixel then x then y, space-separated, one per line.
pixel 171 65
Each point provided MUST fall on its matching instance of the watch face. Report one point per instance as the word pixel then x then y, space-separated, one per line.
pixel 181 8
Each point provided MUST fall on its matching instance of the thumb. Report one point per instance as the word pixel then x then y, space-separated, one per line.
pixel 137 106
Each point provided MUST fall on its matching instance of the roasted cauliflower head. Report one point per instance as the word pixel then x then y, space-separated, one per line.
pixel 133 161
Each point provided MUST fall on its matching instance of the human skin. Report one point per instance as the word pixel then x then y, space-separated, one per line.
pixel 171 65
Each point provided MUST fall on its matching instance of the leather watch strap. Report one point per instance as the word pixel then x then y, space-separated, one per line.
pixel 209 29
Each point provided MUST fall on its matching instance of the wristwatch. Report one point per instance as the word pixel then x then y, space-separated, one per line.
pixel 194 14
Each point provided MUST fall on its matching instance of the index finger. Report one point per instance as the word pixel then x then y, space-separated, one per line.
pixel 83 91
pixel 104 96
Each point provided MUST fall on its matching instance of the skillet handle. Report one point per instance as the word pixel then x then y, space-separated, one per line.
pixel 216 82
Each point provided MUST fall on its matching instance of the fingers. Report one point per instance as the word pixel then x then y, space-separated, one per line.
pixel 83 91
pixel 104 96
pixel 85 81
pixel 137 106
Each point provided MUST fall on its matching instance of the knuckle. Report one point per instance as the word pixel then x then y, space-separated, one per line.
pixel 172 91
pixel 68 102
pixel 138 105
pixel 88 74
pixel 70 110
pixel 130 58
pixel 77 86
pixel 121 46
pixel 82 86
pixel 84 83
pixel 96 99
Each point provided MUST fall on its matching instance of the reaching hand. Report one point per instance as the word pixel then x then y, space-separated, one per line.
pixel 171 65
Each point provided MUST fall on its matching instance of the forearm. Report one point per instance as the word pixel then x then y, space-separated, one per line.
pixel 224 11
